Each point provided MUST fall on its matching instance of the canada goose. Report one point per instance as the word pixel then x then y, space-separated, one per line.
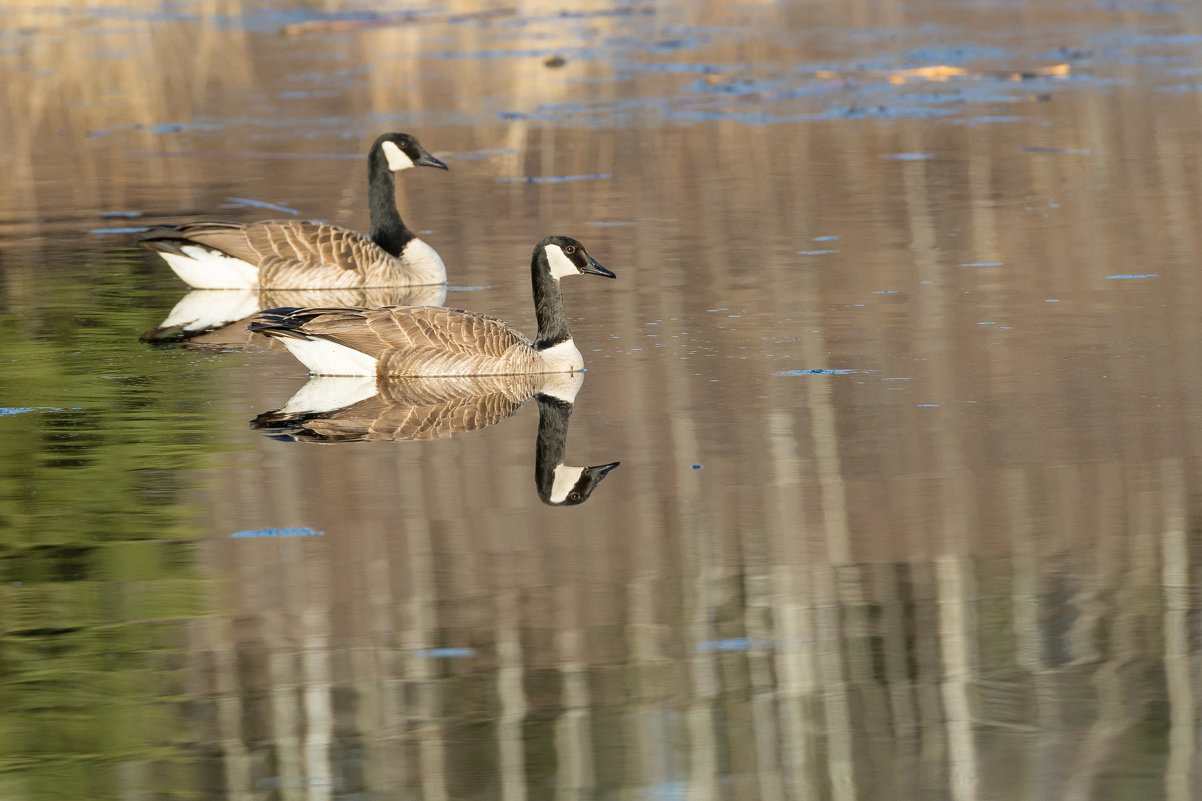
pixel 430 341
pixel 218 318
pixel 388 408
pixel 296 254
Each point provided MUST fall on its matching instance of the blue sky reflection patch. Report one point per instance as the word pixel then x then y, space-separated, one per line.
pixel 293 531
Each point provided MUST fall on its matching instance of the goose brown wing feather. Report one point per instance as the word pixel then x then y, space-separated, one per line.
pixel 444 419
pixel 229 238
pixel 509 390
pixel 413 331
pixel 436 341
pixel 410 422
pixel 412 340
pixel 456 331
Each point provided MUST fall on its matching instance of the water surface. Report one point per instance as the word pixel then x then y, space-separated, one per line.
pixel 900 367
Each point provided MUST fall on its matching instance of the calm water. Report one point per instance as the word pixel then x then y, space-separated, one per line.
pixel 901 367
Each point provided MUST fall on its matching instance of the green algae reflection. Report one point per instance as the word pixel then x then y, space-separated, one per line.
pixel 99 584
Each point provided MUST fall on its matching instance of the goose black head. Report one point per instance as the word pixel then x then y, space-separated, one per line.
pixel 403 151
pixel 574 485
pixel 566 256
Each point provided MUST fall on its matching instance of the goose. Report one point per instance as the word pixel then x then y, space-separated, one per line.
pixel 431 341
pixel 392 409
pixel 296 254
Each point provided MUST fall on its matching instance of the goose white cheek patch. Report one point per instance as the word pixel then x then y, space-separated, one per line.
pixel 397 160
pixel 565 479
pixel 561 265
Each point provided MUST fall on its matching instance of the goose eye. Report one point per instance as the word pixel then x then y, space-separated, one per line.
pixel 569 249
pixel 575 496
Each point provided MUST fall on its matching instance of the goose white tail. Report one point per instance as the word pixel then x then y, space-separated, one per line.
pixel 327 393
pixel 324 357
pixel 204 268
pixel 206 309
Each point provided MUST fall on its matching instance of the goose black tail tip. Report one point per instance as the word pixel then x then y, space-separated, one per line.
pixel 166 335
pixel 284 321
pixel 294 427
pixel 165 243
pixel 280 422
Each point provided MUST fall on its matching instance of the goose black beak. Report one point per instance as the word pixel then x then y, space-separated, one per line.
pixel 592 476
pixel 598 472
pixel 426 160
pixel 594 268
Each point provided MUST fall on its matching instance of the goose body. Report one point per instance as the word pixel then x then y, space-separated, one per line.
pixel 434 341
pixel 297 254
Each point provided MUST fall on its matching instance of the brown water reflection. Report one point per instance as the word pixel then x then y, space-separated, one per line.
pixel 220 318
pixel 902 377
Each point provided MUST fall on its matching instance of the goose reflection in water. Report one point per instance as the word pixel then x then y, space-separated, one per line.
pixel 392 409
pixel 217 318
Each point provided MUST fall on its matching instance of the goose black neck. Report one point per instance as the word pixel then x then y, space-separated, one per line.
pixel 553 418
pixel 387 229
pixel 548 304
